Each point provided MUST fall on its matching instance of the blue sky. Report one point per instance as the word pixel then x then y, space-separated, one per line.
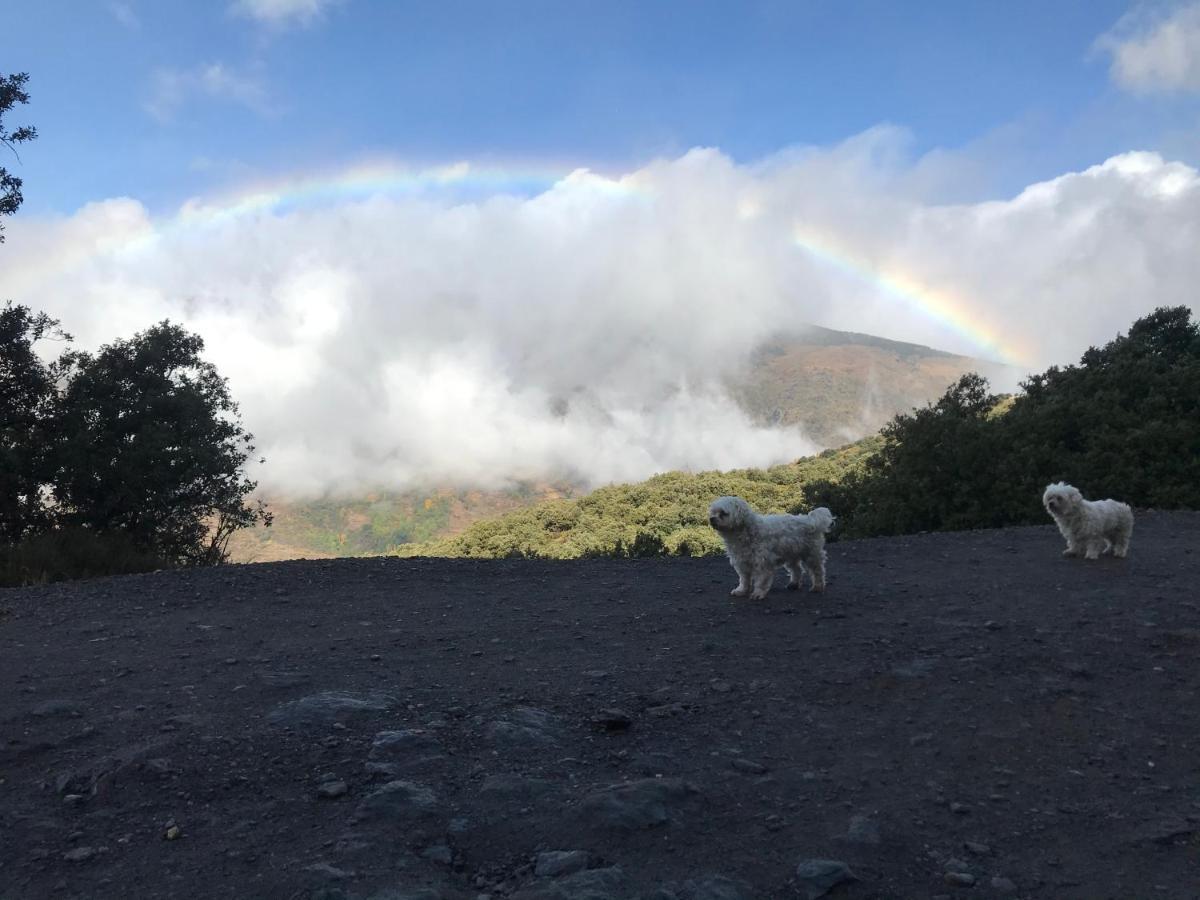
pixel 160 101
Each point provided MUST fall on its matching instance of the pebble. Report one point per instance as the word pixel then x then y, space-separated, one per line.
pixel 1003 885
pixel 749 766
pixel 554 863
pixel 818 876
pixel 329 790
pixel 959 879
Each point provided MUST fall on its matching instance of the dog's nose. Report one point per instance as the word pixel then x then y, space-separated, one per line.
pixel 712 520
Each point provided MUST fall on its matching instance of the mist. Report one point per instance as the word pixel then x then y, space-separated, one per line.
pixel 585 332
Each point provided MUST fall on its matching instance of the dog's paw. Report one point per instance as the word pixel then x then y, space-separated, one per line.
pixel 1070 553
pixel 759 595
pixel 1120 554
pixel 817 589
pixel 738 592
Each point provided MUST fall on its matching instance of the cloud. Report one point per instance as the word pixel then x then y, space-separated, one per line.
pixel 125 14
pixel 282 12
pixel 172 88
pixel 1156 52
pixel 470 337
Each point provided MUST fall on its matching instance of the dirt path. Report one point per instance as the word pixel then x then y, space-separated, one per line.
pixel 959 715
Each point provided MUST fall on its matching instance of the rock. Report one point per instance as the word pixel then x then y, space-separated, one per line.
pixel 333 873
pixel 956 865
pixel 817 877
pixel 1003 885
pixel 863 830
pixel 960 809
pixel 718 887
pixel 438 853
pixel 50 708
pixel 749 766
pixel 80 854
pixel 959 879
pixel 393 752
pixel 634 805
pixel 977 848
pixel 398 801
pixel 330 790
pixel 524 726
pixel 554 863
pixel 172 833
pixel 1167 830
pixel 327 708
pixel 515 790
pixel 612 720
pixel 590 884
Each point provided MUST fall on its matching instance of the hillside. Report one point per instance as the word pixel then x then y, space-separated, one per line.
pixel 838 386
pixel 666 514
pixel 960 714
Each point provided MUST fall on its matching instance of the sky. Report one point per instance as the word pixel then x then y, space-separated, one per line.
pixel 475 242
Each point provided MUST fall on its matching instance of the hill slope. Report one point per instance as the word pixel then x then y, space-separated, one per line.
pixel 963 705
pixel 839 386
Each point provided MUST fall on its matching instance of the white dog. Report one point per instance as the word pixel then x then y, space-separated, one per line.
pixel 758 545
pixel 1091 527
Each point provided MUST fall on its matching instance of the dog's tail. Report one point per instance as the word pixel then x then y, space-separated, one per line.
pixel 822 518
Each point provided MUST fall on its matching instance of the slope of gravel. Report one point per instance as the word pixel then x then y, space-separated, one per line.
pixel 959 715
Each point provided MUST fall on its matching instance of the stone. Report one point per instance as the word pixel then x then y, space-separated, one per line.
pixel 330 790
pixel 718 887
pixel 524 727
pixel 328 708
pixel 959 879
pixel 612 720
pixel 553 863
pixel 636 805
pixel 1002 885
pixel 400 801
pixel 80 854
pixel 749 766
pixel 817 877
pixel 863 830
pixel 590 884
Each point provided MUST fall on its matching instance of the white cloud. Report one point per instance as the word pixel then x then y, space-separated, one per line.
pixel 172 88
pixel 125 14
pixel 282 12
pixel 1154 52
pixel 588 330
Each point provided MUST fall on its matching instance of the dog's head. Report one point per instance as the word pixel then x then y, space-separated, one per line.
pixel 1061 499
pixel 729 514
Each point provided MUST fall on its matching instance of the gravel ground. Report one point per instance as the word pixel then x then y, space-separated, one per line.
pixel 959 715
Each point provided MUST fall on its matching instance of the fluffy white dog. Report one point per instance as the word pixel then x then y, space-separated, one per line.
pixel 758 545
pixel 1091 527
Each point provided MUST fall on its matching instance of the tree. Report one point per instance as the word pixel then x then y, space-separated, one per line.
pixel 152 445
pixel 28 387
pixel 12 92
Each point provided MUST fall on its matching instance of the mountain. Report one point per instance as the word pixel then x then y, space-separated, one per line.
pixel 837 386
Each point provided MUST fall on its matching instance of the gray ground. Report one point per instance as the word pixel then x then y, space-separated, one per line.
pixel 959 715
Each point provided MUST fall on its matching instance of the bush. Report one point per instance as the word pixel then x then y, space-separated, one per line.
pixel 68 553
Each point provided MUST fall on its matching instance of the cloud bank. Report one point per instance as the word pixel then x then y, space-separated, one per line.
pixel 1156 53
pixel 585 330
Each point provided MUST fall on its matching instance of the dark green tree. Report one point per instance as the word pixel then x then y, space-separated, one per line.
pixel 152 446
pixel 12 92
pixel 28 387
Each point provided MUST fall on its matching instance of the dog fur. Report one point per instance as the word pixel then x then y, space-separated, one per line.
pixel 1091 527
pixel 758 545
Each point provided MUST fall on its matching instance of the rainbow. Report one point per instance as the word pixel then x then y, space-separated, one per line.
pixel 368 181
pixel 939 306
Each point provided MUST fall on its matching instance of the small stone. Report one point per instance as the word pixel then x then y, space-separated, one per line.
pixel 749 766
pixel 957 865
pixel 612 720
pixel 818 876
pixel 554 863
pixel 330 790
pixel 172 833
pixel 721 687
pixel 439 853
pixel 977 848
pixel 959 879
pixel 1003 885
pixel 960 809
pixel 863 830
pixel 80 854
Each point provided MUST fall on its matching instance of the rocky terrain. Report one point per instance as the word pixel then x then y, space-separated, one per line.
pixel 960 715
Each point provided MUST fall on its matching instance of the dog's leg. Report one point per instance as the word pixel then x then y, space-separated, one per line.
pixel 815 563
pixel 795 574
pixel 1072 547
pixel 1093 550
pixel 743 585
pixel 762 582
pixel 1120 545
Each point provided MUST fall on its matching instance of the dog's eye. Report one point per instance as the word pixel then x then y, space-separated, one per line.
pixel 721 514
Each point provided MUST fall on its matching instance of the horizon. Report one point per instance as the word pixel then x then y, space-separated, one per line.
pixel 453 243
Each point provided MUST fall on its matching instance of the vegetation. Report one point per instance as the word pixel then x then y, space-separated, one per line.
pixel 128 459
pixel 12 92
pixel 1124 423
pixel 666 515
